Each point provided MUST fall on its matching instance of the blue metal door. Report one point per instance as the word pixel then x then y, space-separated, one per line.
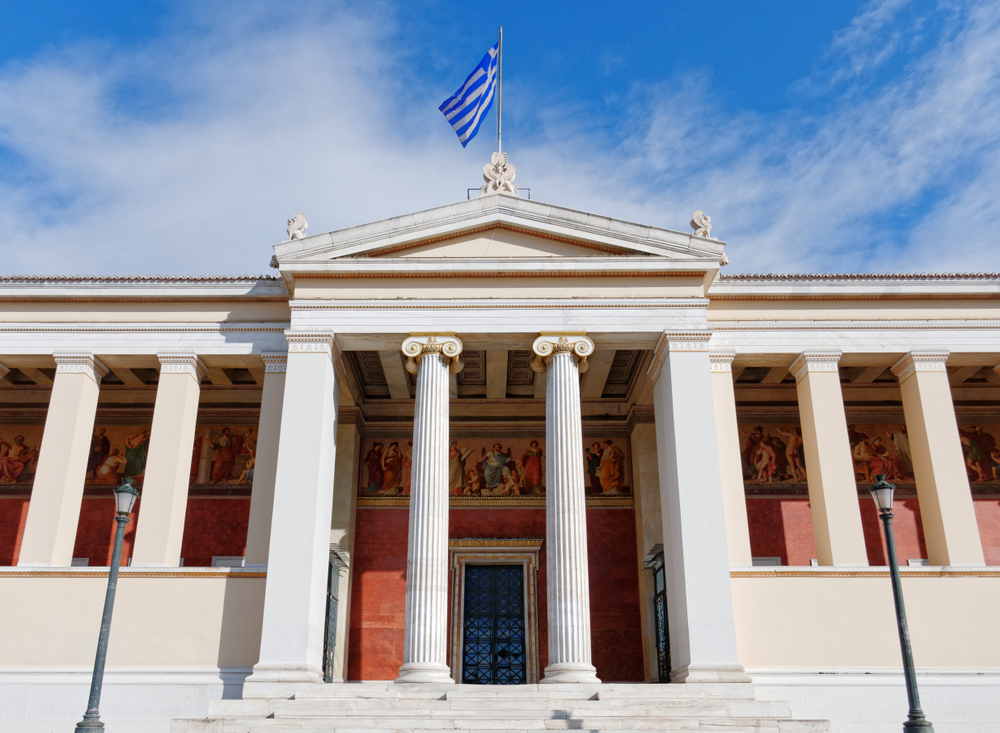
pixel 493 650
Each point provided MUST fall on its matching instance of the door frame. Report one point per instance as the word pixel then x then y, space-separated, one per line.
pixel 476 551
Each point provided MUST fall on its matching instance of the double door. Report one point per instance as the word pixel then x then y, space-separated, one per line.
pixel 494 650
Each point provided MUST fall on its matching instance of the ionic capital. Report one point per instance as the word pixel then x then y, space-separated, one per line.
pixel 80 364
pixel 183 364
pixel 275 362
pixel 675 341
pixel 814 361
pixel 419 344
pixel 722 362
pixel 309 343
pixel 548 344
pixel 920 361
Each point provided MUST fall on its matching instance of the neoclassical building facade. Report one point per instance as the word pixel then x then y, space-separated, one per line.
pixel 505 443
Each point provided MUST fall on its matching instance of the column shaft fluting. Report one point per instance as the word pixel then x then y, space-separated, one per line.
pixel 568 584
pixel 425 643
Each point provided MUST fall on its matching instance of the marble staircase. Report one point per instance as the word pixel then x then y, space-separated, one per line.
pixel 384 706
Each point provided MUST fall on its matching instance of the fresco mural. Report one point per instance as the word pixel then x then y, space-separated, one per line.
pixel 509 467
pixel 774 454
pixel 117 451
pixel 980 443
pixel 19 453
pixel 224 454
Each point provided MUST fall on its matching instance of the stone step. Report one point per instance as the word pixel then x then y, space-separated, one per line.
pixel 722 725
pixel 543 691
pixel 506 709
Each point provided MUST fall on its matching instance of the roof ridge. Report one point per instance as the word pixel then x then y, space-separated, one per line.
pixel 136 278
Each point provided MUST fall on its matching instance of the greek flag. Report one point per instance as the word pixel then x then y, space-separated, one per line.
pixel 467 107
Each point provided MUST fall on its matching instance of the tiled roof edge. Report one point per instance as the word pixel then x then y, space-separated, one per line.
pixel 863 276
pixel 136 278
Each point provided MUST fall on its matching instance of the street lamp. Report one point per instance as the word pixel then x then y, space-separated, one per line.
pixel 125 496
pixel 882 492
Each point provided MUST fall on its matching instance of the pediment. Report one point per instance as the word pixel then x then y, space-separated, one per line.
pixel 497 228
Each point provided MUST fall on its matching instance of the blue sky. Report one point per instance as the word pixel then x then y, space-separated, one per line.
pixel 176 138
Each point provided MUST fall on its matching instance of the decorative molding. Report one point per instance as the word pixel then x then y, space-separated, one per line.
pixel 88 364
pixel 489 543
pixel 920 361
pixel 182 364
pixel 722 362
pixel 676 341
pixel 548 344
pixel 275 362
pixel 473 372
pixel 309 343
pixel 814 361
pixel 417 345
pixel 519 371
pixel 4 371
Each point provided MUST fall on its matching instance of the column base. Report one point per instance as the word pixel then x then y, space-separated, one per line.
pixel 424 672
pixel 571 672
pixel 710 673
pixel 276 680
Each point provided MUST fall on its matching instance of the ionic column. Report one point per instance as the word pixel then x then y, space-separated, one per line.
pixel 833 490
pixel 562 358
pixel 946 510
pixel 730 460
pixel 699 593
pixel 54 509
pixel 266 459
pixel 425 641
pixel 291 642
pixel 160 528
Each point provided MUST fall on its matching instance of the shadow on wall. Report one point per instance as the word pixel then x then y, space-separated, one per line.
pixel 239 642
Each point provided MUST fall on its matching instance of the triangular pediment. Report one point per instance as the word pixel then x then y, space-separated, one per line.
pixel 498 227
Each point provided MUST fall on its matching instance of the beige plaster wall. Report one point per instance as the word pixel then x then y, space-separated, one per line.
pixel 498 287
pixel 850 309
pixel 188 618
pixel 814 620
pixel 127 311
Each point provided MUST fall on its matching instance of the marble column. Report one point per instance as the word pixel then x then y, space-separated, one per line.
pixel 833 490
pixel 946 510
pixel 562 357
pixel 425 641
pixel 54 509
pixel 730 460
pixel 266 459
pixel 699 593
pixel 291 642
pixel 160 529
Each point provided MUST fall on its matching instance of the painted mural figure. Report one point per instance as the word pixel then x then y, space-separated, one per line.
pixel 107 472
pixel 408 467
pixel 229 446
pixel 592 456
pixel 100 448
pixel 533 468
pixel 794 453
pixel 495 465
pixel 901 442
pixel 978 447
pixel 392 469
pixel 612 468
pixel 136 448
pixel 373 462
pixel 456 467
pixel 13 459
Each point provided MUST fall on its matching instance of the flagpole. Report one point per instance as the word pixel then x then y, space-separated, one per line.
pixel 499 88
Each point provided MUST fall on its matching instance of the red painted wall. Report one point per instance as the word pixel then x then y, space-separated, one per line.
pixel 95 532
pixel 988 518
pixel 214 526
pixel 13 515
pixel 782 527
pixel 379 586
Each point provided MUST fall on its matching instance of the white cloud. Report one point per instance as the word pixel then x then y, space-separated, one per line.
pixel 256 116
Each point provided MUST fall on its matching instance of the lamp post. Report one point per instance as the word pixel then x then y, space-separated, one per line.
pixel 125 496
pixel 882 492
